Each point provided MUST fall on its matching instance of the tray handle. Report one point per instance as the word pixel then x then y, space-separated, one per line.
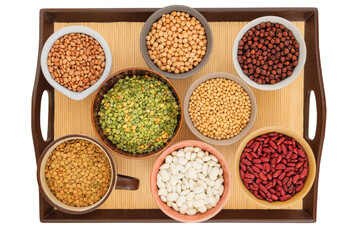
pixel 126 183
pixel 314 82
pixel 40 86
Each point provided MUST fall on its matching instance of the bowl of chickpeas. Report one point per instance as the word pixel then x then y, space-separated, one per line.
pixel 220 108
pixel 76 174
pixel 176 41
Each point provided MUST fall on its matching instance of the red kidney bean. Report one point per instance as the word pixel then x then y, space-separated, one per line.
pixel 246 162
pixel 282 175
pixel 296 178
pixel 281 140
pixel 248 180
pixel 256 161
pixel 256 169
pixel 272 144
pixel 247 150
pixel 262 176
pixel 296 151
pixel 280 166
pixel 273 162
pixel 266 150
pixel 304 173
pixel 252 187
pixel 256 146
pixel 283 148
pixel 267 167
pixel 242 174
pixel 290 188
pixel 274 197
pixel 268 195
pixel 249 175
pixel 250 142
pixel 298 188
pixel 255 185
pixel 284 181
pixel 273 167
pixel 248 156
pixel 288 155
pixel 289 182
pixel 269 176
pixel 277 173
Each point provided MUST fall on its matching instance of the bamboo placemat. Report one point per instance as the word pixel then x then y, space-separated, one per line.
pixel 282 107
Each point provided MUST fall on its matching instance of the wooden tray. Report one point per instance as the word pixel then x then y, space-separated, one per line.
pixel 121 29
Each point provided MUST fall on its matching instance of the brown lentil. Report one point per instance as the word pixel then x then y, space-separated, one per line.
pixel 76 61
pixel 268 53
pixel 176 42
pixel 219 108
pixel 78 173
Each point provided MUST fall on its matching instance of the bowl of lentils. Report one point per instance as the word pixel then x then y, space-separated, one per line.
pixel 176 41
pixel 137 113
pixel 269 53
pixel 220 108
pixel 75 61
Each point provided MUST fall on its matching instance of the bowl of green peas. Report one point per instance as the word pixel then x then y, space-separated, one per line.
pixel 137 113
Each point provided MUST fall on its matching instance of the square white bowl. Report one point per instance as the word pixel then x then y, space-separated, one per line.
pixel 47 47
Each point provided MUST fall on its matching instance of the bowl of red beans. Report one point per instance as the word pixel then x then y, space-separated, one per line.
pixel 276 167
pixel 269 53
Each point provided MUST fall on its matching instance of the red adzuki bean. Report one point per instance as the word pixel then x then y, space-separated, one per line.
pixel 274 167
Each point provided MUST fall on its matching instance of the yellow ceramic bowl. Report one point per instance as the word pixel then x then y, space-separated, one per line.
pixel 308 182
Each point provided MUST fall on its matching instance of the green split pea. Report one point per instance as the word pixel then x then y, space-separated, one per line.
pixel 139 114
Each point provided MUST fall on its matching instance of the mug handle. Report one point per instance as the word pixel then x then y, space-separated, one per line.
pixel 126 183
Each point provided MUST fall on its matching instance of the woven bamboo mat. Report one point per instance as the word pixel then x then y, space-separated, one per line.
pixel 283 107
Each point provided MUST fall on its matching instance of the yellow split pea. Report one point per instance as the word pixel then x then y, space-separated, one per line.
pixel 219 108
pixel 176 42
pixel 78 173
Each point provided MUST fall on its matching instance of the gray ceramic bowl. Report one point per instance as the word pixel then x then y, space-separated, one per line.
pixel 243 132
pixel 302 53
pixel 153 18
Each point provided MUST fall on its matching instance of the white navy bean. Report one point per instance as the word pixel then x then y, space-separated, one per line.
pixel 190 180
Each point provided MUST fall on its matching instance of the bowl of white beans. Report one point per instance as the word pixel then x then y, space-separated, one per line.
pixel 190 181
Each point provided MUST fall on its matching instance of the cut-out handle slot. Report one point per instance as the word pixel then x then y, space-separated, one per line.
pixel 312 116
pixel 44 115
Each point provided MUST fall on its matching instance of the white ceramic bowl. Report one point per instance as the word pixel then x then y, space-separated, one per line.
pixel 302 53
pixel 47 47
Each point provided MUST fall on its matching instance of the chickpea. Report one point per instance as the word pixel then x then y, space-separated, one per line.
pixel 219 108
pixel 176 35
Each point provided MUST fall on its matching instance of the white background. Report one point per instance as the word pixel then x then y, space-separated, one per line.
pixel 338 206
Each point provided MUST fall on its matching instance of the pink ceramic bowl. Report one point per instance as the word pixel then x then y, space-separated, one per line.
pixel 199 217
